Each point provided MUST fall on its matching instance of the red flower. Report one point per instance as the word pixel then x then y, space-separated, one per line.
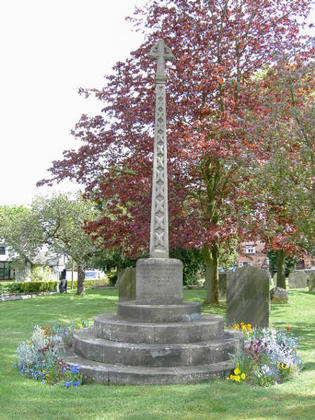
pixel 288 328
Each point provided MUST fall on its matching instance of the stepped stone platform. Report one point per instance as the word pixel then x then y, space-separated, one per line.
pixel 154 344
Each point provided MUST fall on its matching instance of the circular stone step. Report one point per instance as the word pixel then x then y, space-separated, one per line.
pixel 89 346
pixel 110 327
pixel 186 311
pixel 109 374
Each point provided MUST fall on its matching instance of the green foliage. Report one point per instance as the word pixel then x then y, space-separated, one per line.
pixel 193 262
pixel 288 261
pixel 36 286
pixel 112 277
pixel 47 286
pixel 39 273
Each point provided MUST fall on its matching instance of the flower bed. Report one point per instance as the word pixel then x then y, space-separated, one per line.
pixel 268 356
pixel 41 357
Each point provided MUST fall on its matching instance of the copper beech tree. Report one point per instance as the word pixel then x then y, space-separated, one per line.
pixel 219 46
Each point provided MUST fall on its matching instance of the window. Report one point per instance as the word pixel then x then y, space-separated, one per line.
pixel 5 271
pixel 250 249
pixel 2 250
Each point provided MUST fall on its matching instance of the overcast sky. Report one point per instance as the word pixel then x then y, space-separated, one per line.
pixel 50 48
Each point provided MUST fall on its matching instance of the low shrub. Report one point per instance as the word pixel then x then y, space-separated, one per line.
pixel 45 286
pixel 268 356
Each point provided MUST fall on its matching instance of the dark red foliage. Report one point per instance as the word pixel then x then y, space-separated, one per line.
pixel 219 45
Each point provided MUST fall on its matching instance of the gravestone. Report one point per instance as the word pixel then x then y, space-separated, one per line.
pixel 279 295
pixel 297 280
pixel 156 338
pixel 127 285
pixel 311 283
pixel 247 297
pixel 222 285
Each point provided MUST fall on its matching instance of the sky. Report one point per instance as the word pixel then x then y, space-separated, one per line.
pixel 49 49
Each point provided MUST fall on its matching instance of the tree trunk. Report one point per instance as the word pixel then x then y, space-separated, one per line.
pixel 80 283
pixel 280 269
pixel 211 278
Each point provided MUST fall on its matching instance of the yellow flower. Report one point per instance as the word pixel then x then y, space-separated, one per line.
pixel 243 376
pixel 232 377
pixel 47 375
pixel 43 371
pixel 237 378
pixel 237 371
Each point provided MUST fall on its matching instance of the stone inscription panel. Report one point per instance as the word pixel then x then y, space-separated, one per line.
pixel 159 281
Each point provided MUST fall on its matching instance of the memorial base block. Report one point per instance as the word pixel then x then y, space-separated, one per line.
pixel 159 281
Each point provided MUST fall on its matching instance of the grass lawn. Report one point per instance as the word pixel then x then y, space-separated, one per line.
pixel 23 398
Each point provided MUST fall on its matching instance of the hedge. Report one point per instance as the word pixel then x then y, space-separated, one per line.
pixel 12 288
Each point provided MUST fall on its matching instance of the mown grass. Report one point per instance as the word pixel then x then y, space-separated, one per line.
pixel 23 398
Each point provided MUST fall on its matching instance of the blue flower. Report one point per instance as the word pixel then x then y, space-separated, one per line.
pixel 76 383
pixel 74 369
pixel 67 384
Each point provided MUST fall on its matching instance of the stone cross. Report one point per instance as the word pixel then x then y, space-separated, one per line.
pixel 159 247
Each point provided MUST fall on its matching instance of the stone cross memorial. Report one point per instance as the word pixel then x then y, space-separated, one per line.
pixel 155 338
pixel 159 279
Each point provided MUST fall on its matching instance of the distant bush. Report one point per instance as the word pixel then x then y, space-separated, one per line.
pixel 12 288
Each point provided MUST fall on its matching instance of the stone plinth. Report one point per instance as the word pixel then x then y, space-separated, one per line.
pixel 159 281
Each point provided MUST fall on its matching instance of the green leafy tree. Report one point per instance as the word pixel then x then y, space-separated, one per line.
pixel 23 235
pixel 62 220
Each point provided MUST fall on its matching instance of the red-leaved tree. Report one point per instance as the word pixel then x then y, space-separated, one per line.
pixel 219 46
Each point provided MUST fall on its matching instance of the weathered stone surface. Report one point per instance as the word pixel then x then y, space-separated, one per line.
pixel 311 283
pixel 297 280
pixel 187 311
pixel 109 374
pixel 279 295
pixel 110 327
pixel 222 285
pixel 247 297
pixel 127 284
pixel 86 344
pixel 159 281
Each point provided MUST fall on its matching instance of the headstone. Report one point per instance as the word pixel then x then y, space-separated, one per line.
pixel 298 280
pixel 222 285
pixel 275 279
pixel 247 297
pixel 127 285
pixel 311 283
pixel 279 295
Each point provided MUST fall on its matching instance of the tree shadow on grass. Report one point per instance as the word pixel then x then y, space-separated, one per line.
pixel 306 333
